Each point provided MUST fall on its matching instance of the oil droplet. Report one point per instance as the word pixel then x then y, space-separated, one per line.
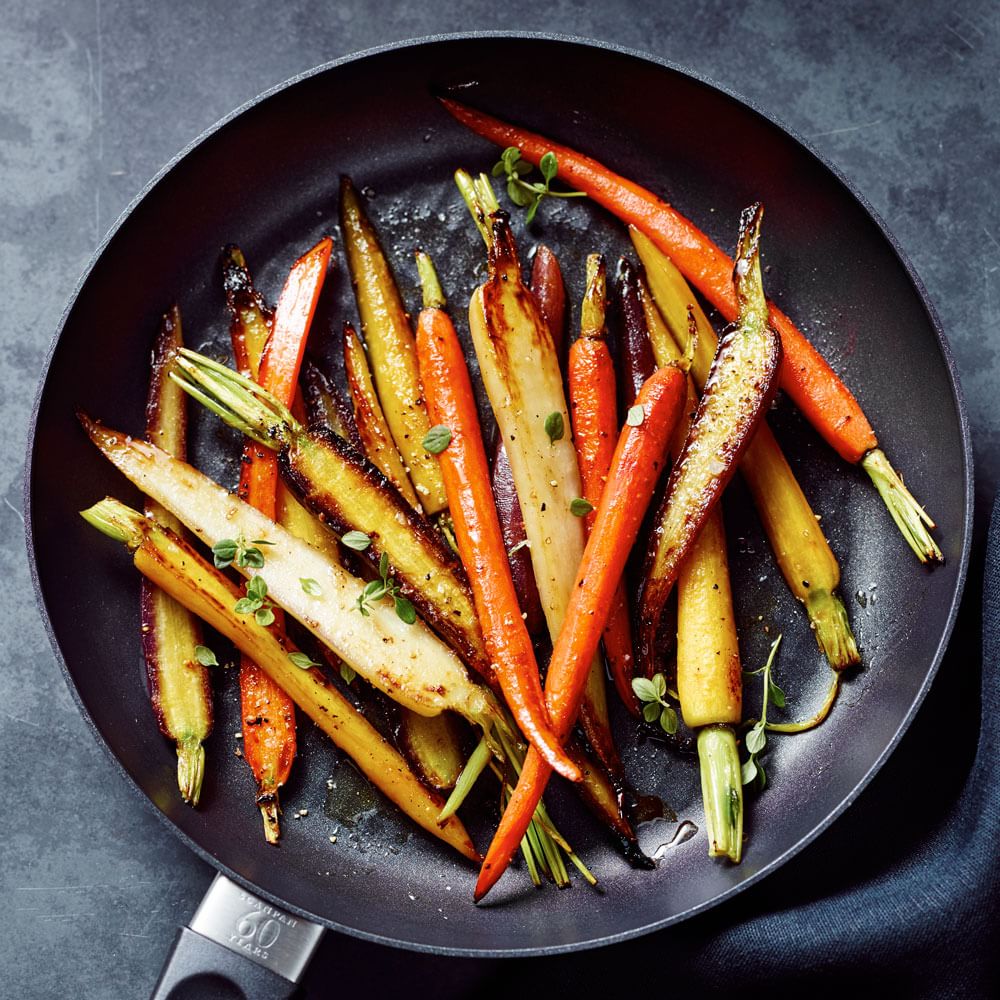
pixel 683 833
pixel 647 808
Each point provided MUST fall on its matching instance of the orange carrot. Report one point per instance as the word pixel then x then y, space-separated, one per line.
pixel 591 378
pixel 452 404
pixel 269 741
pixel 635 469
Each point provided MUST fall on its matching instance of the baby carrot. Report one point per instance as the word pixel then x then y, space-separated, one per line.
pixel 591 377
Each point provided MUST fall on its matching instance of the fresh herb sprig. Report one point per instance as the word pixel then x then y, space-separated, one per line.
pixel 228 551
pixel 653 694
pixel 385 586
pixel 256 602
pixel 756 737
pixel 529 194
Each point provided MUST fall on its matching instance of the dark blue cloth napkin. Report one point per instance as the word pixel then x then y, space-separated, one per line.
pixel 900 899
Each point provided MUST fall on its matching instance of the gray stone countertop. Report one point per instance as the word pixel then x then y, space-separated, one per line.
pixel 96 96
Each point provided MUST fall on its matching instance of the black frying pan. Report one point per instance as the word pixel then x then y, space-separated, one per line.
pixel 267 178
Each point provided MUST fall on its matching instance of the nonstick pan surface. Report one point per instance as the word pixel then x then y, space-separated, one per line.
pixel 267 178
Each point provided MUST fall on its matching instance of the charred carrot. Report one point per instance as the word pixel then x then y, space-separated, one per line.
pixel 806 560
pixel 591 378
pixel 452 405
pixel 268 713
pixel 709 677
pixel 638 461
pixel 389 339
pixel 806 376
pixel 742 383
pixel 179 686
pixel 326 408
pixel 370 420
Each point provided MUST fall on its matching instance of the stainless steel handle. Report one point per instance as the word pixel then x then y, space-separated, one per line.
pixel 238 937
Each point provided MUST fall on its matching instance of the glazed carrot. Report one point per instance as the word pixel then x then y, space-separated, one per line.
pixel 326 408
pixel 524 382
pixel 591 378
pixel 452 404
pixel 635 469
pixel 806 376
pixel 636 360
pixel 740 387
pixel 370 420
pixel 389 339
pixel 268 714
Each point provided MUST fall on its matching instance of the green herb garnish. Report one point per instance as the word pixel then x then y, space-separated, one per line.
pixel 437 439
pixel 385 586
pixel 256 603
pixel 302 661
pixel 205 656
pixel 347 673
pixel 356 540
pixel 555 427
pixel 311 587
pixel 227 551
pixel 529 194
pixel 655 706
pixel 756 737
pixel 580 507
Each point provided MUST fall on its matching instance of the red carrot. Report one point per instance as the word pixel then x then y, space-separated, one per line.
pixel 636 466
pixel 451 403
pixel 549 291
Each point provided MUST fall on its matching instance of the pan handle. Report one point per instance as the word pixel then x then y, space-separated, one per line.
pixel 197 967
pixel 237 939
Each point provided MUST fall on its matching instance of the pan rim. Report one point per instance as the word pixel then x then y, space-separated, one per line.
pixel 583 44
